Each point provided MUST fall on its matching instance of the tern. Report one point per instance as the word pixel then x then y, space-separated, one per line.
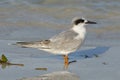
pixel 63 43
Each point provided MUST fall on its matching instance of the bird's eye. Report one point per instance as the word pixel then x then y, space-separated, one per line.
pixel 79 21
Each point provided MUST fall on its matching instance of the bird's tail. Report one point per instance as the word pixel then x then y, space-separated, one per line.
pixel 26 44
pixel 33 44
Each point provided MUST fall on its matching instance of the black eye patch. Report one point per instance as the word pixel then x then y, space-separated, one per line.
pixel 76 22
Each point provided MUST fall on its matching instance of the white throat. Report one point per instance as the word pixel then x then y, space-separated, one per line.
pixel 81 30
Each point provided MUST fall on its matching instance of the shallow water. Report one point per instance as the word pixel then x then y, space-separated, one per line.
pixel 27 20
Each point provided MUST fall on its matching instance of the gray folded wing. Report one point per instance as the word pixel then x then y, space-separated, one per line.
pixel 65 41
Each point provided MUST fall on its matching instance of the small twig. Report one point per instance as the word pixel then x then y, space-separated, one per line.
pixel 41 69
pixel 15 64
pixel 8 63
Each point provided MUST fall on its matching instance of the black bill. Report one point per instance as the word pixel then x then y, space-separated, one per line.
pixel 90 22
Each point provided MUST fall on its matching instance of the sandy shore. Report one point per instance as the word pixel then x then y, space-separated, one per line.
pixel 33 20
pixel 92 62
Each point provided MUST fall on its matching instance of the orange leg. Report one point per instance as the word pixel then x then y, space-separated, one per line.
pixel 66 62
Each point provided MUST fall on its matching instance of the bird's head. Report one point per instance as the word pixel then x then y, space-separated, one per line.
pixel 82 21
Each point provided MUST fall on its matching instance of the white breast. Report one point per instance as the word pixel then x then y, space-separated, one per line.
pixel 81 30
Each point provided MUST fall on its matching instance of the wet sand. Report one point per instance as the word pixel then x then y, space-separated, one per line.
pixel 97 59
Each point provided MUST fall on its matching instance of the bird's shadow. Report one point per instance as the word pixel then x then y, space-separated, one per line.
pixel 88 53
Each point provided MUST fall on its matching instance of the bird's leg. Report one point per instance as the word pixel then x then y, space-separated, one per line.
pixel 66 62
